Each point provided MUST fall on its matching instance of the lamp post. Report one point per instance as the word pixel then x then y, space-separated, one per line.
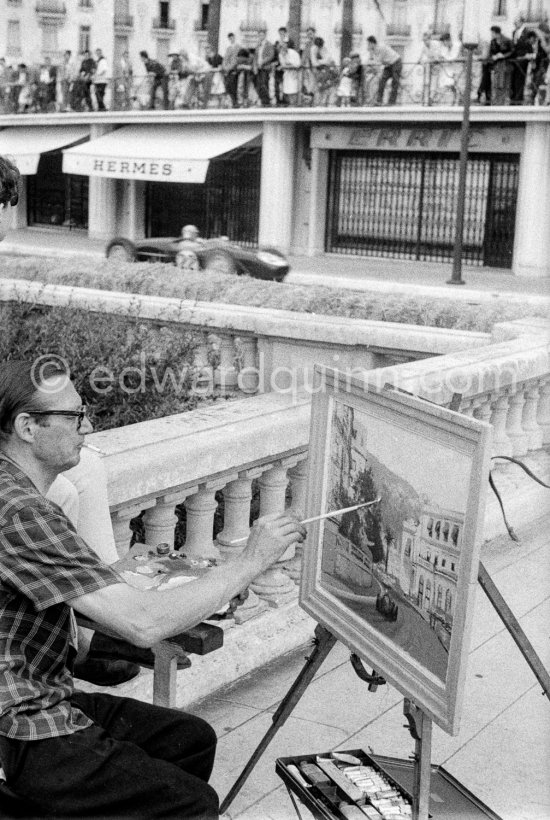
pixel 470 36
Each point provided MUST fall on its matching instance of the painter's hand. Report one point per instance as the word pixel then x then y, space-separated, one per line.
pixel 271 536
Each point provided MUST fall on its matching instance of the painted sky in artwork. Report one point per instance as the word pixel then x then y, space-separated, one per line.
pixel 435 470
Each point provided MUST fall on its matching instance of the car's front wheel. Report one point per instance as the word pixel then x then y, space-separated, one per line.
pixel 220 262
pixel 122 249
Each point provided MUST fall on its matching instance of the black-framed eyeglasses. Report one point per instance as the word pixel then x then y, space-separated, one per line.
pixel 76 414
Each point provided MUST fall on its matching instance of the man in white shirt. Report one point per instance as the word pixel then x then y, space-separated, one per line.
pixel 393 66
pixel 101 77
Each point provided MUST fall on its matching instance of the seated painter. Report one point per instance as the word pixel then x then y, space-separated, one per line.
pixel 65 753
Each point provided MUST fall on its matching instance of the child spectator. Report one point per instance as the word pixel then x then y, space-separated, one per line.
pixel 343 92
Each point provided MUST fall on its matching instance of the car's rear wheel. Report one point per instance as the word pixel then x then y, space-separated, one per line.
pixel 121 249
pixel 220 262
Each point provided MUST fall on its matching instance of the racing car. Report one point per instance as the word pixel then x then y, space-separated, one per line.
pixel 219 255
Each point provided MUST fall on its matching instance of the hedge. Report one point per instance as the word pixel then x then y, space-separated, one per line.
pixel 136 358
pixel 165 280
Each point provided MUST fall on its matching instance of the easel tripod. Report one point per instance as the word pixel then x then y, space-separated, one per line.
pixel 420 725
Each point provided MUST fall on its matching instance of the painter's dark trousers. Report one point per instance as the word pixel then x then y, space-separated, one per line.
pixel 137 761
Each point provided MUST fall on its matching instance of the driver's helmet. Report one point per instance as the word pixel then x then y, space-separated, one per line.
pixel 190 232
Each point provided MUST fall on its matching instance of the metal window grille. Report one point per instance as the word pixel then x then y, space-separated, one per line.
pixel 403 205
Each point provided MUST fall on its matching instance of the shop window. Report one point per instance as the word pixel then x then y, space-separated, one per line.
pixel 84 39
pixel 428 594
pixel 454 535
pixel 408 548
pixel 420 591
pixel 448 601
pixel 430 527
pixel 446 528
pixel 437 529
pixel 439 601
pixel 57 199
pixel 443 562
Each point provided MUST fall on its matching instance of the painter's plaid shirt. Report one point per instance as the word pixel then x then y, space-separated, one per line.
pixel 43 564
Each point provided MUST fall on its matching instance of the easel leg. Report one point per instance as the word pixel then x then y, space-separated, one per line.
pixel 420 726
pixel 324 641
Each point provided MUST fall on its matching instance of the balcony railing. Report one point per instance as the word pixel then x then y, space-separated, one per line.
pixel 51 7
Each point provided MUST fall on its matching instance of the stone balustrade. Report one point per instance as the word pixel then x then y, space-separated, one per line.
pixel 249 350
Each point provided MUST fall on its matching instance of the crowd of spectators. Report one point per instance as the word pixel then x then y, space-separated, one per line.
pixel 513 70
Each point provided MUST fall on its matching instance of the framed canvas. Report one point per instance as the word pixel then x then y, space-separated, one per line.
pixel 395 581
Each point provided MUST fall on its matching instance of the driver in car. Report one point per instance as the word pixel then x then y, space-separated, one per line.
pixel 190 243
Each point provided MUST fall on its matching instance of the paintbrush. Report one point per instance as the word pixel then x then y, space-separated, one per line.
pixel 323 515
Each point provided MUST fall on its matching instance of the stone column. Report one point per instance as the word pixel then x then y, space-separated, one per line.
pixel 248 374
pixel 532 237
pixel 135 207
pixel 102 197
pixel 513 426
pixel 200 508
pixel 502 446
pixel 529 418
pixel 160 521
pixel 121 528
pixel 273 585
pixel 277 185
pixel 237 495
pixel 543 413
pixel 318 201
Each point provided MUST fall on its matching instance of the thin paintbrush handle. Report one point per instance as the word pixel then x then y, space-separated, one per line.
pixel 320 517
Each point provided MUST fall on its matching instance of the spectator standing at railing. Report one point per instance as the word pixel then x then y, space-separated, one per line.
pixel 538 65
pixel 66 75
pixel 392 68
pixel 4 94
pixel 326 73
pixel 214 83
pixel 264 57
pixel 289 61
pixel 283 39
pixel 519 61
pixel 450 66
pixel 343 92
pixel 126 75
pixel 47 79
pixel 101 77
pixel 22 90
pixel 495 69
pixel 244 77
pixel 308 73
pixel 229 66
pixel 158 77
pixel 87 71
pixel 429 59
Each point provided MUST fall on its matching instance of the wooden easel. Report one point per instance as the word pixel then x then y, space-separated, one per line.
pixel 420 724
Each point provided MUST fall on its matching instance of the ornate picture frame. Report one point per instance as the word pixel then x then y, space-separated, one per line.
pixel 395 580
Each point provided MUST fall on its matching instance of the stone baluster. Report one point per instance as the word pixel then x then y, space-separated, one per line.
pixel 529 418
pixel 502 445
pixel 543 413
pixel 513 426
pixel 226 374
pixel 246 349
pixel 203 381
pixel 273 585
pixel 298 486
pixel 160 521
pixel 200 508
pixel 237 495
pixel 121 528
pixel 482 408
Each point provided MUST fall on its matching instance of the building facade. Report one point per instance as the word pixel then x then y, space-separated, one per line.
pixel 365 180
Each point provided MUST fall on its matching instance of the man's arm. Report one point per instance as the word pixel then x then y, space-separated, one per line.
pixel 145 617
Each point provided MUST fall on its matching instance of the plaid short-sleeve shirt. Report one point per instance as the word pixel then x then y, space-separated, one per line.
pixel 43 565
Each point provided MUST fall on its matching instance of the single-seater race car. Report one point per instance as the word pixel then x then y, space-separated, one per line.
pixel 217 255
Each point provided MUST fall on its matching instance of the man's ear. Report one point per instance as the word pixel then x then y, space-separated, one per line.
pixel 24 427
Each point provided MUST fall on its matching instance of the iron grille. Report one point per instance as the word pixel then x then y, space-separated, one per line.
pixel 403 205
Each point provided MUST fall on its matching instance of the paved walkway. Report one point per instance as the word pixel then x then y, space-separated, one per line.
pixel 356 273
pixel 502 752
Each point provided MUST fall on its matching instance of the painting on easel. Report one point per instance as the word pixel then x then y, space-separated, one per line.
pixel 395 580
